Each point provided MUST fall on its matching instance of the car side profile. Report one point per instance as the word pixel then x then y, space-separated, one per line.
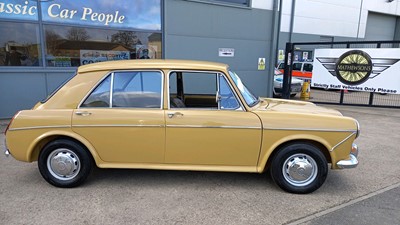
pixel 178 115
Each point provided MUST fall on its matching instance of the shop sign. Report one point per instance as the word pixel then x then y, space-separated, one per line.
pixel 92 56
pixel 371 70
pixel 118 13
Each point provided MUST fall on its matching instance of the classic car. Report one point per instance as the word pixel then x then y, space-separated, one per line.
pixel 178 115
pixel 295 87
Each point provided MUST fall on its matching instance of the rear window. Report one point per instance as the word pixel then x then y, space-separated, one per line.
pixel 57 89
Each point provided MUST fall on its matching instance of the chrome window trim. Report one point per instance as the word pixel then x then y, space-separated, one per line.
pixel 222 127
pixel 118 125
pixel 39 127
pixel 112 84
pixel 217 73
pixel 111 90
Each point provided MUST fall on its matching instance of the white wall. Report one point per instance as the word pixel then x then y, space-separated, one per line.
pixel 333 17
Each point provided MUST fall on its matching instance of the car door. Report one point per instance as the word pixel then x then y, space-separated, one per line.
pixel 217 132
pixel 123 118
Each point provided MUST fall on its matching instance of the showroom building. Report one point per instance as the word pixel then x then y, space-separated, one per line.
pixel 42 42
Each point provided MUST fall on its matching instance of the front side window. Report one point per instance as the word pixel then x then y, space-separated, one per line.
pixel 201 90
pixel 308 67
pixel 249 97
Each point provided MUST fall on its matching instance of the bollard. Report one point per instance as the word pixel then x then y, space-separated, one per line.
pixel 305 91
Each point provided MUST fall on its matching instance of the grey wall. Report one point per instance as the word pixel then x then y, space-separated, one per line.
pixel 195 30
pixel 21 88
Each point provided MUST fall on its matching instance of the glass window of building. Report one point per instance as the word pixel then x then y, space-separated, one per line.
pixel 19 44
pixel 75 46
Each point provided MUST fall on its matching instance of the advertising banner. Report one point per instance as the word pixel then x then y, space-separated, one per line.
pixel 92 56
pixel 371 70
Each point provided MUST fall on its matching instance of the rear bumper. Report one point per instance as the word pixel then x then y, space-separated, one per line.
pixel 349 163
pixel 6 150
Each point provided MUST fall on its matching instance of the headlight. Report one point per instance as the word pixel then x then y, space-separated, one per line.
pixel 358 129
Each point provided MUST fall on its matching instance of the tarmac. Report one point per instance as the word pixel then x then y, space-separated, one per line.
pixel 368 194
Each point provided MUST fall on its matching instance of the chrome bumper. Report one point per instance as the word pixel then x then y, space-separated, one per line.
pixel 352 162
pixel 6 151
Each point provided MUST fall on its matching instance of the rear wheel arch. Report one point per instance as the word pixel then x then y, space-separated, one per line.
pixel 44 140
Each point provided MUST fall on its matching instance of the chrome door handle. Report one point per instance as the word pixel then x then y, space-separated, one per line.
pixel 172 114
pixel 83 113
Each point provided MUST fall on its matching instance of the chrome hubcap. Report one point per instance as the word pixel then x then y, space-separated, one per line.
pixel 63 164
pixel 300 170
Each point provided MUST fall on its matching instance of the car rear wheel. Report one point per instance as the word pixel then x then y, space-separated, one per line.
pixel 64 163
pixel 299 168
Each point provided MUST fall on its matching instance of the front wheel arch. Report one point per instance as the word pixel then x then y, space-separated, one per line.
pixel 317 144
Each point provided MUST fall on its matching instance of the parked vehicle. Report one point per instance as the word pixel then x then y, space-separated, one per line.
pixel 178 115
pixel 300 70
pixel 296 85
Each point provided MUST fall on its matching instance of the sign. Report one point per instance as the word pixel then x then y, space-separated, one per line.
pixel 305 55
pixel 281 55
pixel 141 14
pixel 226 52
pixel 92 56
pixel 371 70
pixel 261 63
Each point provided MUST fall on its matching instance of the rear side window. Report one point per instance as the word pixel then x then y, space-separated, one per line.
pixel 137 89
pixel 100 97
pixel 130 89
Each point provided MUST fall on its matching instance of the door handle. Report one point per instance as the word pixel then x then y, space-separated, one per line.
pixel 83 113
pixel 172 114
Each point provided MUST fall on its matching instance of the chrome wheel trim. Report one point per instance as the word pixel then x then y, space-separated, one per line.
pixel 63 164
pixel 299 170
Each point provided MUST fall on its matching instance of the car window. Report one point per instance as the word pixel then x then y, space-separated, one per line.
pixel 100 96
pixel 296 66
pixel 227 98
pixel 281 66
pixel 308 67
pixel 137 89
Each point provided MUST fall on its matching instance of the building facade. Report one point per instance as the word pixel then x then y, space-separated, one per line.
pixel 43 42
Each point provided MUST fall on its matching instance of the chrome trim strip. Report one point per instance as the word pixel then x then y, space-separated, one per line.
pixel 117 125
pixel 38 127
pixel 111 90
pixel 222 127
pixel 333 148
pixel 308 129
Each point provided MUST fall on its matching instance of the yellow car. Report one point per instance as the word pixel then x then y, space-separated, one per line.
pixel 178 115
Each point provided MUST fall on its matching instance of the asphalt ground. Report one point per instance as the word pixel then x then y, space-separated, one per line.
pixel 368 194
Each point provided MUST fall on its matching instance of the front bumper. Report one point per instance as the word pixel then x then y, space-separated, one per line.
pixel 352 162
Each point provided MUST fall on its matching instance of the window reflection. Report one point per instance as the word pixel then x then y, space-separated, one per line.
pixel 19 44
pixel 75 46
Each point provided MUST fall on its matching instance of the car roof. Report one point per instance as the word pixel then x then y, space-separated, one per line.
pixel 152 64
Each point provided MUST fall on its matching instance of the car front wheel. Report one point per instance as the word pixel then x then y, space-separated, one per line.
pixel 64 163
pixel 299 168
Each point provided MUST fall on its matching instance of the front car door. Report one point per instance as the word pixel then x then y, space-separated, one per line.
pixel 206 124
pixel 123 117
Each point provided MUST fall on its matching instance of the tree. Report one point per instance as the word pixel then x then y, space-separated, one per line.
pixel 77 34
pixel 126 38
pixel 52 40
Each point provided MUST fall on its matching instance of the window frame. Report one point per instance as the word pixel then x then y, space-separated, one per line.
pixel 217 73
pixel 111 73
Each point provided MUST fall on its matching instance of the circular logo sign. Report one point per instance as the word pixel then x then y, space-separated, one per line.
pixel 353 67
